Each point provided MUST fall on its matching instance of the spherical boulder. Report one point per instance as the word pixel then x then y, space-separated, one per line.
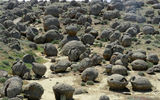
pixel 62 90
pixel 115 36
pixel 12 87
pixel 89 74
pixel 126 41
pixel 139 65
pixel 104 97
pixel 108 68
pixel 138 55
pixel 71 30
pixel 51 22
pixel 84 19
pixel 107 53
pixel 31 32
pixel 109 15
pixel 33 91
pixel 117 48
pixel 119 69
pixel 148 29
pixel 132 31
pixel 96 59
pixel 88 39
pixel 8 23
pixel 67 39
pixel 61 66
pixel 19 68
pixel 96 9
pixel 39 69
pixel 50 50
pixel 28 58
pixel 52 10
pixel 84 64
pixel 117 82
pixel 116 56
pixel 153 58
pixel 140 83
pixel 105 34
pixel 52 35
pixel 39 39
pixel 73 45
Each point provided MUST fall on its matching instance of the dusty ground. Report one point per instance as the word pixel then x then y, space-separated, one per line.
pixel 99 88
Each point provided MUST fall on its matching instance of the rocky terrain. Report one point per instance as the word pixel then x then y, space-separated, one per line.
pixel 88 50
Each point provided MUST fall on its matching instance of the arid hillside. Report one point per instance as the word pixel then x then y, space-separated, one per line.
pixel 80 50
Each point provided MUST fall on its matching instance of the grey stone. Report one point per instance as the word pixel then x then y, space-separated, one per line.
pixel 89 74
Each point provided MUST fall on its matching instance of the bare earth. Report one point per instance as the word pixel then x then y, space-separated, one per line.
pixel 98 89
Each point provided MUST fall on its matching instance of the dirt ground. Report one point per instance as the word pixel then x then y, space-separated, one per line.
pixel 99 88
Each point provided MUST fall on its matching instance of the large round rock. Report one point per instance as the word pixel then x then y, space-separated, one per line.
pixel 84 64
pixel 140 83
pixel 61 66
pixel 52 10
pixel 12 87
pixel 105 34
pixel 138 55
pixel 89 74
pixel 50 50
pixel 39 69
pixel 119 69
pixel 51 22
pixel 52 35
pixel 107 53
pixel 139 65
pixel 117 82
pixel 33 91
pixel 67 39
pixel 87 39
pixel 104 97
pixel 19 68
pixel 62 91
pixel 71 30
pixel 148 29
pixel 126 41
pixel 73 46
pixel 153 58
pixel 28 58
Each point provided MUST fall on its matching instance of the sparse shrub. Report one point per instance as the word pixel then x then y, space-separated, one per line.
pixel 98 45
pixel 83 84
pixel 156 41
pixel 150 64
pixel 28 65
pixel 5 98
pixel 30 52
pixel 90 83
pixel 134 39
pixel 5 62
pixel 141 74
pixel 56 41
pixel 95 17
pixel 157 37
pixel 2 79
pixel 104 40
pixel 38 21
pixel 104 22
pixel 103 61
pixel 146 37
pixel 74 69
